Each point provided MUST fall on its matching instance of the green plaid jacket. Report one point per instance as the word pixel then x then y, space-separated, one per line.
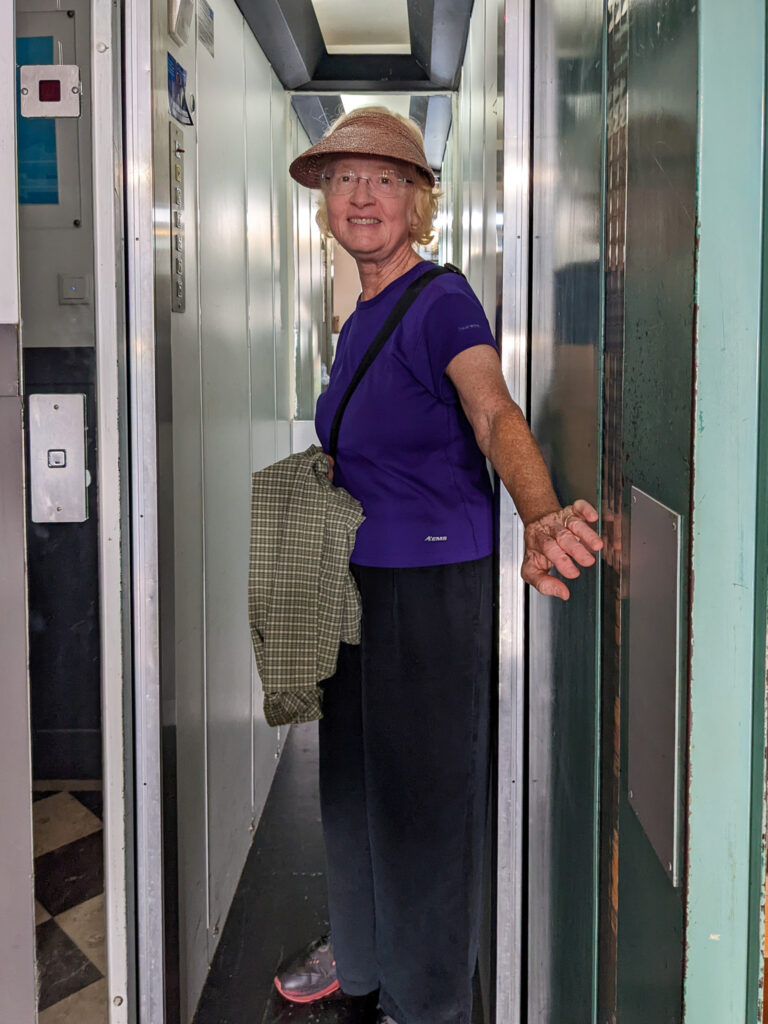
pixel 302 599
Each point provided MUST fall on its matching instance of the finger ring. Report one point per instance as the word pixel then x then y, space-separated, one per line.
pixel 569 515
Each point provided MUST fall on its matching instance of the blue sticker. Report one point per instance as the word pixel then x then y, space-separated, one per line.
pixel 177 98
pixel 36 136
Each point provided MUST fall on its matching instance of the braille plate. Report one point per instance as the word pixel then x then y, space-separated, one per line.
pixel 654 717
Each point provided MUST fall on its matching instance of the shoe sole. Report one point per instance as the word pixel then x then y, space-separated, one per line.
pixel 292 998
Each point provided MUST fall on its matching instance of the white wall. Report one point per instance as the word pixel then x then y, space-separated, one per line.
pixel 227 395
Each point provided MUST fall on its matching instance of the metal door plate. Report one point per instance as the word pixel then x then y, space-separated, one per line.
pixel 654 718
pixel 57 473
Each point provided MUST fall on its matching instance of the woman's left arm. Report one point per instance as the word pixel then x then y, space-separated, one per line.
pixel 555 537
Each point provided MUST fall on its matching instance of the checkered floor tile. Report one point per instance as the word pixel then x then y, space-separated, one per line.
pixel 69 906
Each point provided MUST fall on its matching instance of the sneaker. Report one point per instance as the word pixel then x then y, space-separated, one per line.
pixel 310 975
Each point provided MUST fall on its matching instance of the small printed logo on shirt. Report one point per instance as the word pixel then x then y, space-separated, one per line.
pixel 435 538
pixel 468 327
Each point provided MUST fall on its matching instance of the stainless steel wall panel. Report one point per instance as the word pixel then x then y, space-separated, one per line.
pixel 184 621
pixel 307 381
pixel 514 353
pixel 281 293
pixel 226 407
pixel 259 228
pixel 564 375
pixel 261 339
pixel 472 150
pixel 475 172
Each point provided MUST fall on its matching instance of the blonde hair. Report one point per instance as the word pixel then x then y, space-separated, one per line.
pixel 426 198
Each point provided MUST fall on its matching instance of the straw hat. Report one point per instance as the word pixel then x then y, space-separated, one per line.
pixel 363 133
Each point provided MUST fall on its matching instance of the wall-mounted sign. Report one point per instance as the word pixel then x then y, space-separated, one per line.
pixel 177 96
pixel 205 25
pixel 179 19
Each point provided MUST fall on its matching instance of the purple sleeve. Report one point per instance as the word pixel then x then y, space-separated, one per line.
pixel 452 323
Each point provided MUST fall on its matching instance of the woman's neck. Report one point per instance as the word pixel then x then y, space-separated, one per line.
pixel 374 277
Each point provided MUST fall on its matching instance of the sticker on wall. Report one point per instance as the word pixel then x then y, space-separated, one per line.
pixel 205 25
pixel 177 96
pixel 36 138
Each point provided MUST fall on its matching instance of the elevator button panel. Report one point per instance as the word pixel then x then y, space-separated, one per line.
pixel 178 263
pixel 58 480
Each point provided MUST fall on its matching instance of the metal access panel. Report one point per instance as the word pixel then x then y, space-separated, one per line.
pixel 58 480
pixel 654 721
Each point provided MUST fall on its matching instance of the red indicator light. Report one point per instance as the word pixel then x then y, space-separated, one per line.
pixel 49 90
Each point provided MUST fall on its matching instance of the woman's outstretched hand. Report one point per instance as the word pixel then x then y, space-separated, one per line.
pixel 563 541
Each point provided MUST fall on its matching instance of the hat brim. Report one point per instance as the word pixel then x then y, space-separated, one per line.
pixel 370 136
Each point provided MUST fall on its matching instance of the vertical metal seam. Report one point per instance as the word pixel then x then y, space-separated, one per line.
pixel 113 589
pixel 203 551
pixel 517 182
pixel 139 206
pixel 249 346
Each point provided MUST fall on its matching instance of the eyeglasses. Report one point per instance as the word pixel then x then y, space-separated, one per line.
pixel 385 183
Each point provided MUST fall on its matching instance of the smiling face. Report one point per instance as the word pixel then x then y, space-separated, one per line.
pixel 372 228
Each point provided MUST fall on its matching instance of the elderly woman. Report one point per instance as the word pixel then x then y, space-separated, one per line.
pixel 404 741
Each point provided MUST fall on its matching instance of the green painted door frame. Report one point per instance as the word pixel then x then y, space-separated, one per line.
pixel 726 866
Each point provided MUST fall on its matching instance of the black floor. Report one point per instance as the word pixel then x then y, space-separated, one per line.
pixel 280 904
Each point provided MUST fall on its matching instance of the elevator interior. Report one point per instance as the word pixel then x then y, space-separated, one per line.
pixel 252 337
pixel 591 203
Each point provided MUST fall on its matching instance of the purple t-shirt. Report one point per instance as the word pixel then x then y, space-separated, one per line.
pixel 406 450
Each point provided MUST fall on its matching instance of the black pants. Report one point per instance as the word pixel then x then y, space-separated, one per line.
pixel 403 789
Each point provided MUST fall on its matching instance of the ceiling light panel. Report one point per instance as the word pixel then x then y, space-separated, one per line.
pixel 397 104
pixel 349 26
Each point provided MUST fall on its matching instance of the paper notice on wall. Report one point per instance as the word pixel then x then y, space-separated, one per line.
pixel 205 25
pixel 177 92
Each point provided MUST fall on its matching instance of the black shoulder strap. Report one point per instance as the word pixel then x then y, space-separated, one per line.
pixel 406 300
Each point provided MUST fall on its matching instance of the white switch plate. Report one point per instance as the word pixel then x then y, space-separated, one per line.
pixel 74 289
